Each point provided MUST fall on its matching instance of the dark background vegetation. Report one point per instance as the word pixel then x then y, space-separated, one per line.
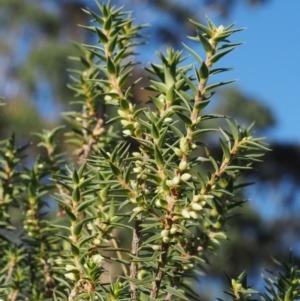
pixel 34 48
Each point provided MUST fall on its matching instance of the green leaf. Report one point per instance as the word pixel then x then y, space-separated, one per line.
pixel 74 250
pixel 68 239
pixel 211 25
pixel 84 205
pixel 127 173
pixel 193 53
pixel 214 163
pixel 226 150
pixel 108 23
pixel 205 29
pixel 231 167
pixel 71 215
pixel 205 43
pixel 204 72
pixel 103 38
pixel 76 195
pixel 122 78
pixel 104 154
pixel 191 85
pixel 219 55
pixel 202 131
pixel 77 228
pixel 212 86
pixel 161 87
pixel 154 131
pixel 259 146
pixel 111 212
pixel 233 130
pixel 170 94
pixel 187 121
pixel 161 138
pixel 185 98
pixel 219 70
pixel 111 66
pixel 133 215
pixel 158 156
pixel 160 106
pixel 60 199
pixel 201 105
pixel 152 238
pixel 169 80
pixel 176 130
pixel 175 292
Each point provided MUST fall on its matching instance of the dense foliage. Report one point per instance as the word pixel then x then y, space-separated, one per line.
pixel 145 202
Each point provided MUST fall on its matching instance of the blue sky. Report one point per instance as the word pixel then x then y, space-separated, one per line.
pixel 266 65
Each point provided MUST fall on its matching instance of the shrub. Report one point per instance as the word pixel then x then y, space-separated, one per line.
pixel 148 201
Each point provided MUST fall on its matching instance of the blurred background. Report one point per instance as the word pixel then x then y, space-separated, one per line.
pixel 35 44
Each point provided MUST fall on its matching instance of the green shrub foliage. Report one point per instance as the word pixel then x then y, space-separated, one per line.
pixel 145 201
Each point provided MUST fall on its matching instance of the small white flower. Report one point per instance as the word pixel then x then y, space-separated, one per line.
pixel 98 259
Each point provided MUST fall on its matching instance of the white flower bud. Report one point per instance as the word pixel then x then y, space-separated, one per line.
pixel 170 183
pixel 196 206
pixel 196 198
pixel 90 226
pixel 125 122
pixel 186 177
pixel 184 146
pixel 165 233
pixel 96 241
pixel 98 259
pixel 220 29
pixel 138 169
pixel 194 214
pixel 173 230
pixel 188 266
pixel 142 274
pixel 166 239
pixel 156 247
pixel 168 120
pixel 182 165
pixel 138 209
pixel 107 98
pixel 122 113
pixel 178 152
pixel 127 133
pixel 133 184
pixel 71 276
pixel 214 242
pixel 185 213
pixel 218 235
pixel 176 180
